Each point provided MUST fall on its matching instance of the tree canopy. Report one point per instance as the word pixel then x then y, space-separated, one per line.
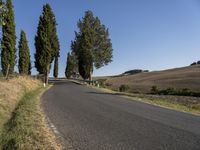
pixel 92 45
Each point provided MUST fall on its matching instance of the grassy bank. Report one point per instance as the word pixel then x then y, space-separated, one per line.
pixel 26 127
pixel 11 92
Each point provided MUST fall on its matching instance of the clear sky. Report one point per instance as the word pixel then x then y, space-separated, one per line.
pixel 146 34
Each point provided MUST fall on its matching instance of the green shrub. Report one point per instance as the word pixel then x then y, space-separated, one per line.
pixel 168 91
pixel 154 89
pixel 124 88
pixel 185 92
pixel 172 91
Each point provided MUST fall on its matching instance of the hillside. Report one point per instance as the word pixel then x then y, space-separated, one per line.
pixel 179 78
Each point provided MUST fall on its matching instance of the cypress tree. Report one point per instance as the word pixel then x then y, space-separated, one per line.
pixel 69 66
pixel 24 55
pixel 55 46
pixel 85 59
pixel 46 42
pixel 8 54
pixel 55 70
pixel 92 43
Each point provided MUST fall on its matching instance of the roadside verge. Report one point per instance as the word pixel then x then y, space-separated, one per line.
pixel 27 128
pixel 191 106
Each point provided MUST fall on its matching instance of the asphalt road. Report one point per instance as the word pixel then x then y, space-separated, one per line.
pixel 89 119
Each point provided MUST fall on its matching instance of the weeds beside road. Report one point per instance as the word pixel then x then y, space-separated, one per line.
pixel 182 103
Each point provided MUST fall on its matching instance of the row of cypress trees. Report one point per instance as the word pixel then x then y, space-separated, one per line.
pixel 46 44
pixel 91 48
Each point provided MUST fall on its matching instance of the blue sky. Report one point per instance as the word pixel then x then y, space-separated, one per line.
pixel 146 34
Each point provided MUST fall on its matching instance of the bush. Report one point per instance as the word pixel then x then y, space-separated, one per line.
pixel 154 89
pixel 194 63
pixel 168 91
pixel 185 92
pixel 124 88
pixel 172 91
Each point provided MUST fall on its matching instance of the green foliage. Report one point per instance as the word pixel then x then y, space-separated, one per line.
pixel 69 66
pixel 168 91
pixel 2 12
pixel 29 68
pixel 154 89
pixel 8 54
pixel 24 55
pixel 46 42
pixel 102 82
pixel 124 88
pixel 92 45
pixel 172 91
pixel 85 59
pixel 193 64
pixel 55 70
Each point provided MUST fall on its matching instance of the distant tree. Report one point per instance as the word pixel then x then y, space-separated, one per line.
pixel 24 55
pixel 194 63
pixel 198 62
pixel 55 70
pixel 46 42
pixel 69 66
pixel 92 45
pixel 8 54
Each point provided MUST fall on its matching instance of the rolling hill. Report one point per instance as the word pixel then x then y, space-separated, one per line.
pixel 179 78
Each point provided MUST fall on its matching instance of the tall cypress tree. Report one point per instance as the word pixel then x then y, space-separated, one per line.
pixel 55 46
pixel 8 54
pixel 46 42
pixel 24 55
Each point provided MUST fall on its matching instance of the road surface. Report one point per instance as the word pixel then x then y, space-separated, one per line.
pixel 89 119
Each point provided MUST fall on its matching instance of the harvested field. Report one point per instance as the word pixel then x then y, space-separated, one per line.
pixel 178 78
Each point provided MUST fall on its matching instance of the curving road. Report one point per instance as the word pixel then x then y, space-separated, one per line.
pixel 92 120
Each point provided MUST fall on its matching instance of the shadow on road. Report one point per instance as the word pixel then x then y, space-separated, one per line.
pixel 104 93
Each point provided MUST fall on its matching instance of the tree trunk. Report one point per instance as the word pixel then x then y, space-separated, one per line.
pixel 46 76
pixel 90 78
pixel 7 71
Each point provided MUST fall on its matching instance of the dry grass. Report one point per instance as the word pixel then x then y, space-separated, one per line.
pixel 10 93
pixel 179 78
pixel 22 123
